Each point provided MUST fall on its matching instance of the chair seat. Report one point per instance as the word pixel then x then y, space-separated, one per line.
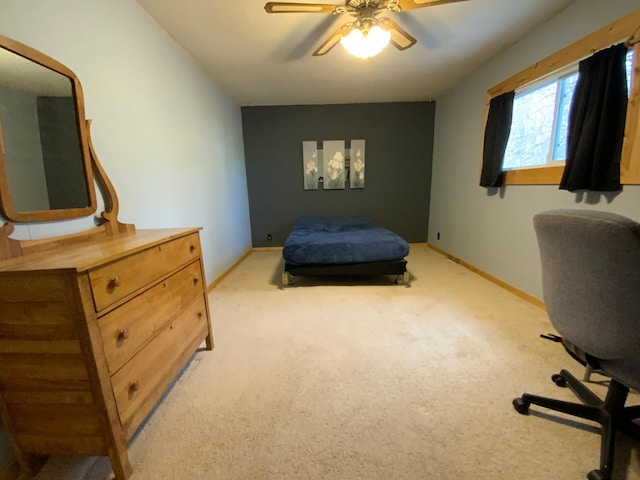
pixel 624 370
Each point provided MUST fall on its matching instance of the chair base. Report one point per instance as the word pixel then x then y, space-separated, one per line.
pixel 610 413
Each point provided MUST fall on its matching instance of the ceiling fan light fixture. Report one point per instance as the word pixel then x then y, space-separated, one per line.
pixel 365 45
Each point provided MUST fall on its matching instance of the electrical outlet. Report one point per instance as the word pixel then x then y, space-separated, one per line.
pixel 269 237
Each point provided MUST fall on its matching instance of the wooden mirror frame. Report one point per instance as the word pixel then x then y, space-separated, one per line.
pixel 6 201
pixel 107 222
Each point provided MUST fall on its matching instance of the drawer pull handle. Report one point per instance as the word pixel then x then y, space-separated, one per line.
pixel 192 248
pixel 195 282
pixel 123 334
pixel 200 315
pixel 114 282
pixel 134 387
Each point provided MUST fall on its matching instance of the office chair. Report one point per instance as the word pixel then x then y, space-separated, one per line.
pixel 591 288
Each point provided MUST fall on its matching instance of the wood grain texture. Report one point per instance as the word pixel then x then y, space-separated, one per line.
pixel 114 281
pixel 114 439
pixel 222 276
pixel 62 445
pixel 56 388
pixel 42 419
pixel 8 247
pixel 44 382
pixel 139 384
pixel 26 289
pixel 109 217
pixel 616 32
pixel 525 296
pixel 59 303
pixel 6 202
pixel 94 252
pixel 534 176
pixel 630 162
pixel 127 329
pixel 11 471
pixel 209 339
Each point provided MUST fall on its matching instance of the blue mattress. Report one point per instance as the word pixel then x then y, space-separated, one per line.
pixel 333 241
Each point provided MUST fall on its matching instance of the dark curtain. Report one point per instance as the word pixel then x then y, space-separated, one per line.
pixel 596 123
pixel 496 136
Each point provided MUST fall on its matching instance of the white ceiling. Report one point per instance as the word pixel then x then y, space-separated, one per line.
pixel 265 59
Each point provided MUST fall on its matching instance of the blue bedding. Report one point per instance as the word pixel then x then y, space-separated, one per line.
pixel 322 240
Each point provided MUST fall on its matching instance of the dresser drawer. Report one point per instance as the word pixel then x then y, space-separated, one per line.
pixel 126 329
pixel 123 277
pixel 140 382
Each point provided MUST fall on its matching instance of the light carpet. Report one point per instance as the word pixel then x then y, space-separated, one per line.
pixel 365 380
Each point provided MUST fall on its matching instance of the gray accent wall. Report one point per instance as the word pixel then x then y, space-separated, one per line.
pixel 398 149
pixel 493 229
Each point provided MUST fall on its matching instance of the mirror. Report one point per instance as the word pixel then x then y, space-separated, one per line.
pixel 45 166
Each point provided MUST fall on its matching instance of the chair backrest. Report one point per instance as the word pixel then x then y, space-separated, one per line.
pixel 591 279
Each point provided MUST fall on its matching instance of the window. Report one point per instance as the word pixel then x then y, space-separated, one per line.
pixel 535 153
pixel 540 120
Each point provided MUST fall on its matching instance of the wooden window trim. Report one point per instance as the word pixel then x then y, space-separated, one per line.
pixel 615 32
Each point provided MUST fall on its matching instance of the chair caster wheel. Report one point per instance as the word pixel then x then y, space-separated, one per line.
pixel 521 406
pixel 597 475
pixel 558 380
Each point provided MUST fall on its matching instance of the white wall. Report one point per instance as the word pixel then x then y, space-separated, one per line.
pixel 495 232
pixel 169 139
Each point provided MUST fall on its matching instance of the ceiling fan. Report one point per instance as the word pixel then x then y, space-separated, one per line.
pixel 369 33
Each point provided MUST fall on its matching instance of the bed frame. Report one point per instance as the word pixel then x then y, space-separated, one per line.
pixel 389 267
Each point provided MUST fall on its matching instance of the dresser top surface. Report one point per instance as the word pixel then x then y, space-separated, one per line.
pixel 93 252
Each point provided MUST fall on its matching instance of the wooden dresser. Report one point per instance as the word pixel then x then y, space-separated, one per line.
pixel 94 325
pixel 92 332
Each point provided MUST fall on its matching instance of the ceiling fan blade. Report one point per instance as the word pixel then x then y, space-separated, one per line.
pixel 399 37
pixel 411 4
pixel 288 7
pixel 333 40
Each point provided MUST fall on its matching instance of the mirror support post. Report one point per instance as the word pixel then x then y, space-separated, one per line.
pixel 9 247
pixel 108 218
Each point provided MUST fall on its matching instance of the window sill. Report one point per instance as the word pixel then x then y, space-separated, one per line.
pixel 534 176
pixel 553 175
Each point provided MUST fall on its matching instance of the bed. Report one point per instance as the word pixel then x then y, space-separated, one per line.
pixel 321 246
